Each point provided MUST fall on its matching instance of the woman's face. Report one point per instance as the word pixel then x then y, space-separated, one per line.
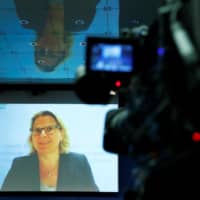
pixel 46 135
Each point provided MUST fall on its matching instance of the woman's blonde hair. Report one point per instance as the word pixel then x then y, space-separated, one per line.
pixel 64 144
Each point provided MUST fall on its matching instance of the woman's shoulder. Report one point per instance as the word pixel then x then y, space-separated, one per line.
pixel 25 158
pixel 74 157
pixel 74 160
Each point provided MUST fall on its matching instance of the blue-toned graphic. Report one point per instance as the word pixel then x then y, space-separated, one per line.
pixel 112 57
pixel 22 27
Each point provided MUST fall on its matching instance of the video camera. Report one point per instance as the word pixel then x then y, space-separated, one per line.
pixel 155 72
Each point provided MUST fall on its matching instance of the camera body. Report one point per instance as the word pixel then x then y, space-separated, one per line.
pixel 156 82
pixel 111 59
pixel 157 120
pixel 109 65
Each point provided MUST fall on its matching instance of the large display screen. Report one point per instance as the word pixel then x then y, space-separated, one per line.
pixel 45 42
pixel 85 168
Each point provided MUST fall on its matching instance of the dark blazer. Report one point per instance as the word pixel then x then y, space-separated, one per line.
pixel 74 174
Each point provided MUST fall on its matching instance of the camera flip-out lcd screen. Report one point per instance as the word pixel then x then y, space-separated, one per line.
pixel 110 55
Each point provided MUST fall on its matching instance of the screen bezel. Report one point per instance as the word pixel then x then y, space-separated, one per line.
pixel 72 98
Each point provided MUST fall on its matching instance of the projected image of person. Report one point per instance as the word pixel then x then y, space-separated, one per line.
pixel 50 166
pixel 54 22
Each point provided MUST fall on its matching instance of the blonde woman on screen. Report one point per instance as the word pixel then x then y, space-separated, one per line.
pixel 50 165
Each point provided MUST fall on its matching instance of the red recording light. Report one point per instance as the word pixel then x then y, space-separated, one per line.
pixel 118 83
pixel 196 136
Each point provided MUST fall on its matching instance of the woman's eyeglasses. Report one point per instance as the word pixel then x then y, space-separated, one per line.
pixel 48 130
